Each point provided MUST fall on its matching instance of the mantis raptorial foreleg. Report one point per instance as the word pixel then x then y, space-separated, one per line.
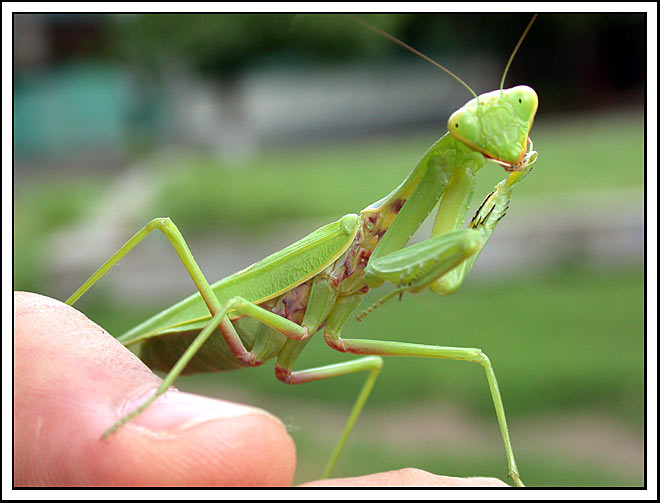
pixel 442 261
pixel 491 211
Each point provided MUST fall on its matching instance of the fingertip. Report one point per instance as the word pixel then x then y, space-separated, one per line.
pixel 194 440
pixel 73 381
pixel 407 477
pixel 228 445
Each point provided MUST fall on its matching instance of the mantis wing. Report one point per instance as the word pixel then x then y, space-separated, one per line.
pixel 268 278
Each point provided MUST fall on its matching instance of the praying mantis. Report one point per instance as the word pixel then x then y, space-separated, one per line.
pixel 271 309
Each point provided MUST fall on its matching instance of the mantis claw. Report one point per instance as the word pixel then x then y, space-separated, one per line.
pixel 516 480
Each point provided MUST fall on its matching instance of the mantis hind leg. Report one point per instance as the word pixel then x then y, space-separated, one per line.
pixel 167 227
pixel 370 347
pixel 219 314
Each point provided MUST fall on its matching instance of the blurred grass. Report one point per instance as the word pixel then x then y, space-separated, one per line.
pixel 41 207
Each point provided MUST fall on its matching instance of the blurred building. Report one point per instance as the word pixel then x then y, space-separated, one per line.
pixel 68 103
pixel 78 98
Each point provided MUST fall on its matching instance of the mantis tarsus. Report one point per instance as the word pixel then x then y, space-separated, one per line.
pixel 271 309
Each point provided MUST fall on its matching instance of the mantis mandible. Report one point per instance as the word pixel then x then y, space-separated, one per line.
pixel 270 309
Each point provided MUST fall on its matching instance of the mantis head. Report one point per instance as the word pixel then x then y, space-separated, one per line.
pixel 497 124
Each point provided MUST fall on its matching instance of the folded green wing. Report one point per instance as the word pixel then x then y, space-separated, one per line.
pixel 268 278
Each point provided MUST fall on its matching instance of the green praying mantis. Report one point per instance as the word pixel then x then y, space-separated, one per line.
pixel 271 309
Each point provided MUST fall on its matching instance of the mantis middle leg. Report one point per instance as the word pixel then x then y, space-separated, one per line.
pixel 371 347
pixel 371 364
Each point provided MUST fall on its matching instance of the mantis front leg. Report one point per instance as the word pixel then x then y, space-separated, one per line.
pixel 443 261
pixel 489 214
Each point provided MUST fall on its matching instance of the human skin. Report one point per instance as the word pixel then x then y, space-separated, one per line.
pixel 72 380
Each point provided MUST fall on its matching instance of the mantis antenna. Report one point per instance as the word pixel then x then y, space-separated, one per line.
pixel 515 49
pixel 411 49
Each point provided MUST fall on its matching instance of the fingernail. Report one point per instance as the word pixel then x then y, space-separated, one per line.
pixel 176 411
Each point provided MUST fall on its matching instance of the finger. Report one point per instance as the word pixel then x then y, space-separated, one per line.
pixel 72 381
pixel 408 477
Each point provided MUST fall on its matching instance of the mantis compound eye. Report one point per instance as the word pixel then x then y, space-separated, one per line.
pixel 465 127
pixel 524 101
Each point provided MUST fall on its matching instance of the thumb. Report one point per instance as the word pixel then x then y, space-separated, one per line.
pixel 72 381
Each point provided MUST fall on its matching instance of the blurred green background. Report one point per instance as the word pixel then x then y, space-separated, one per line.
pixel 250 131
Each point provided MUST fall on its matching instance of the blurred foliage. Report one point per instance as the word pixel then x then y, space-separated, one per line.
pixel 222 44
pixel 604 54
pixel 104 81
pixel 363 456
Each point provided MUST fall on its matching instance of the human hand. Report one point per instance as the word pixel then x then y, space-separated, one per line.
pixel 72 380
